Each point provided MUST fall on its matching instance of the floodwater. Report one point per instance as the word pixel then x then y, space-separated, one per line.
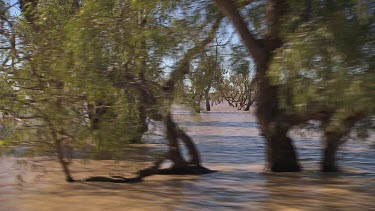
pixel 229 142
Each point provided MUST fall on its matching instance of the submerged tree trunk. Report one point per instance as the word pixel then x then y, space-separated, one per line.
pixel 173 135
pixel 249 104
pixel 333 137
pixel 207 98
pixel 143 127
pixel 174 153
pixel 281 154
pixel 332 141
pixel 180 166
pixel 192 149
pixel 63 162
pixel 198 107
pixel 60 156
pixel 249 96
pixel 96 112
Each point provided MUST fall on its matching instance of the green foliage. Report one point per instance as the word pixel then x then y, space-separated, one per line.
pixel 328 62
pixel 75 59
pixel 91 75
pixel 76 73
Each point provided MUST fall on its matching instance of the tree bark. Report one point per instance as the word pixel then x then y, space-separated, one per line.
pixel 280 152
pixel 144 98
pixel 249 104
pixel 180 166
pixel 142 119
pixel 96 113
pixel 332 141
pixel 249 96
pixel 207 98
pixel 333 137
pixel 192 149
pixel 60 155
pixel 174 153
pixel 198 106
pixel 64 164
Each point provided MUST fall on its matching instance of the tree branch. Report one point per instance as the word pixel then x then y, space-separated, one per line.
pixel 275 10
pixel 253 45
pixel 183 66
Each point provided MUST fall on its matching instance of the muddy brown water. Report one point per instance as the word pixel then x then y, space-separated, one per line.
pixel 229 142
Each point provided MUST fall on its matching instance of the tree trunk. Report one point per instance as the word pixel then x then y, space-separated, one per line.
pixel 333 137
pixel 280 152
pixel 96 112
pixel 198 108
pixel 180 166
pixel 331 144
pixel 64 164
pixel 329 157
pixel 207 98
pixel 249 103
pixel 142 119
pixel 281 155
pixel 192 149
pixel 249 96
pixel 174 153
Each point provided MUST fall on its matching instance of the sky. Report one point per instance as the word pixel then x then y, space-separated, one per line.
pixel 15 9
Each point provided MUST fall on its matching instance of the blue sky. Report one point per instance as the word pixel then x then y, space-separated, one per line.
pixel 14 10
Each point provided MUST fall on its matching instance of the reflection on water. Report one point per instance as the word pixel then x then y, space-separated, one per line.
pixel 229 142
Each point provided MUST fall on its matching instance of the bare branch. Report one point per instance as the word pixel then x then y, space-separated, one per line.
pixel 183 68
pixel 253 45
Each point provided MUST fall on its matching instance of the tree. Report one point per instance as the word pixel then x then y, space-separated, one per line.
pixel 276 112
pixel 327 65
pixel 238 89
pixel 204 77
pixel 281 155
pixel 91 74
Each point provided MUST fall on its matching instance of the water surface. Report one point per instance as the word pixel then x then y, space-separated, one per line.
pixel 229 141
